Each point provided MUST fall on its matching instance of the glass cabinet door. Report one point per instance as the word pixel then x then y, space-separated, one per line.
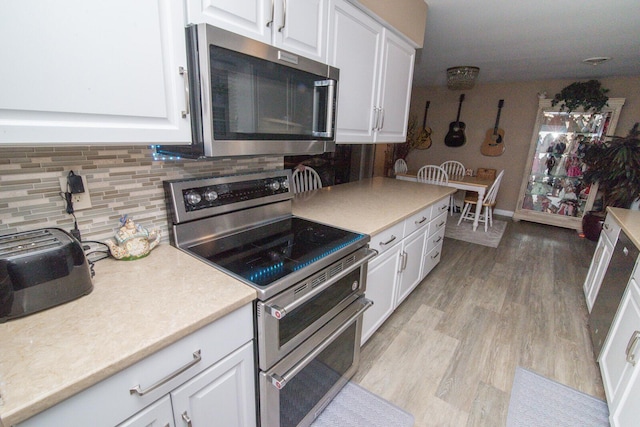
pixel 553 190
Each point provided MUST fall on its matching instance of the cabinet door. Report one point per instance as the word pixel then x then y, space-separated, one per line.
pixel 355 48
pixel 93 72
pixel 250 18
pixel 159 414
pixel 395 88
pixel 598 267
pixel 224 394
pixel 411 265
pixel 300 26
pixel 381 286
pixel 621 343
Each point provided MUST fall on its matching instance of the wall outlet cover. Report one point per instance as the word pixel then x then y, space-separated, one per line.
pixel 80 200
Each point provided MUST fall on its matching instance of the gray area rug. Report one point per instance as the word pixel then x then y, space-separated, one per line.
pixel 356 407
pixel 537 401
pixel 465 232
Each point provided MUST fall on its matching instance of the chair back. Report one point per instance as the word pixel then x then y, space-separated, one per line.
pixel 432 174
pixel 490 198
pixel 305 179
pixel 400 166
pixel 453 168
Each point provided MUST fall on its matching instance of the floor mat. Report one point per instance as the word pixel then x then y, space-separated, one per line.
pixel 538 401
pixel 465 232
pixel 356 407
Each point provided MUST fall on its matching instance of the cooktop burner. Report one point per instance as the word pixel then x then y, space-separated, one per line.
pixel 267 253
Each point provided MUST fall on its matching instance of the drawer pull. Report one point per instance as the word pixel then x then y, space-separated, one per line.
pixel 436 255
pixel 187 419
pixel 631 357
pixel 438 239
pixel 421 221
pixel 197 357
pixel 444 207
pixel 441 224
pixel 392 239
pixel 605 226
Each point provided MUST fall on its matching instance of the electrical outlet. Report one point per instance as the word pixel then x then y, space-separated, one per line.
pixel 80 200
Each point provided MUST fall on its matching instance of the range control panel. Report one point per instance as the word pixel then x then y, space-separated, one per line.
pixel 197 198
pixel 222 194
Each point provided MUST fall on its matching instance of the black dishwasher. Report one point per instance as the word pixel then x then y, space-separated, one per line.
pixel 610 294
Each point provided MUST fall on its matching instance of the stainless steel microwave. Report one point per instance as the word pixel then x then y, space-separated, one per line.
pixel 248 98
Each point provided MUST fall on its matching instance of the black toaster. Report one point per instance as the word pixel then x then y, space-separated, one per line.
pixel 40 269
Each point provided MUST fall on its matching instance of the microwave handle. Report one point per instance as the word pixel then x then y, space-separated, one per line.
pixel 330 87
pixel 280 381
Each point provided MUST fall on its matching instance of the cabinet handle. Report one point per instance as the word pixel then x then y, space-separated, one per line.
pixel 272 13
pixel 187 419
pixel 438 239
pixel 183 72
pixel 631 357
pixel 403 264
pixel 392 239
pixel 441 224
pixel 376 112
pixel 284 15
pixel 381 119
pixel 197 357
pixel 421 221
pixel 436 255
pixel 605 226
pixel 444 207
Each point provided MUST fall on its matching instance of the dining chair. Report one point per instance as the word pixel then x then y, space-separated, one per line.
pixel 433 174
pixel 305 179
pixel 486 215
pixel 400 166
pixel 454 168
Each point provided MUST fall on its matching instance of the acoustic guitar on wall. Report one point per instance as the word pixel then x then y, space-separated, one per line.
pixel 493 144
pixel 424 141
pixel 455 137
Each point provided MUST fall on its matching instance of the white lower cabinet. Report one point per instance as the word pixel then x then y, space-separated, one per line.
pixel 206 378
pixel 618 361
pixel 408 251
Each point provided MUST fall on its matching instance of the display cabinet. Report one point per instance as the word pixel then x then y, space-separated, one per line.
pixel 553 190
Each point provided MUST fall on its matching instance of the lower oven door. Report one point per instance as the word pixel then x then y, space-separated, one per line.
pixel 299 387
pixel 292 316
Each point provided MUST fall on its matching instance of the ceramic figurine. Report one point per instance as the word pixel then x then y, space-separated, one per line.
pixel 132 241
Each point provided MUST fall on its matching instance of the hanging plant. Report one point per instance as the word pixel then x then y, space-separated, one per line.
pixel 589 95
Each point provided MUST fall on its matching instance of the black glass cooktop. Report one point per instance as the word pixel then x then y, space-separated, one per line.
pixel 265 254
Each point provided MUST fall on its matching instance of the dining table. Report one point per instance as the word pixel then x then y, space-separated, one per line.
pixel 461 182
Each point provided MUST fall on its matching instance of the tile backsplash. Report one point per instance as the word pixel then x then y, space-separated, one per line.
pixel 121 180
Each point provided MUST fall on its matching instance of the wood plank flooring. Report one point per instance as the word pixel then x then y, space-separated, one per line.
pixel 449 353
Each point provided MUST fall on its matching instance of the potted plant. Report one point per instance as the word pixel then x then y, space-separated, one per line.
pixel 615 165
pixel 589 95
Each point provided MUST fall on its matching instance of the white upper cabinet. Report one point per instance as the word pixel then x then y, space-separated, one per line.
pixel 78 72
pixel 376 73
pixel 298 26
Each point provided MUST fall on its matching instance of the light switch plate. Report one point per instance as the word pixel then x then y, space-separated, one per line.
pixel 80 200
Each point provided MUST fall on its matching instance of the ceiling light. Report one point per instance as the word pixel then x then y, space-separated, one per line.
pixel 596 60
pixel 462 77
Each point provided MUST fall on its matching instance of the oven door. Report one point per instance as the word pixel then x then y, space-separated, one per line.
pixel 292 316
pixel 299 387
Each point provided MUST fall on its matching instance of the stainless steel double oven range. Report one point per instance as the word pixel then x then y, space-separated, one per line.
pixel 310 280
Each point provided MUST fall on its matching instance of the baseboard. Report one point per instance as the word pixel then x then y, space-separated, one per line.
pixel 503 213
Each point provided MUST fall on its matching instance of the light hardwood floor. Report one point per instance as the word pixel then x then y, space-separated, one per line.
pixel 448 354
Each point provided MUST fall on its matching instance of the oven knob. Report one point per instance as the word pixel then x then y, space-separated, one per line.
pixel 274 186
pixel 210 195
pixel 193 198
pixel 284 184
pixel 354 285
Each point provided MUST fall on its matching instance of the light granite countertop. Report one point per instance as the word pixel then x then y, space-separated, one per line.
pixel 135 309
pixel 629 221
pixel 368 206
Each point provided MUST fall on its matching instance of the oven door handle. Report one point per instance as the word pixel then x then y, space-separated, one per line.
pixel 280 382
pixel 279 312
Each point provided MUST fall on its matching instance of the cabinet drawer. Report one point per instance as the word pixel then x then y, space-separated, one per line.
pixel 110 401
pixel 439 207
pixel 417 221
pixel 611 229
pixel 387 238
pixel 431 259
pixel 438 223
pixel 434 240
